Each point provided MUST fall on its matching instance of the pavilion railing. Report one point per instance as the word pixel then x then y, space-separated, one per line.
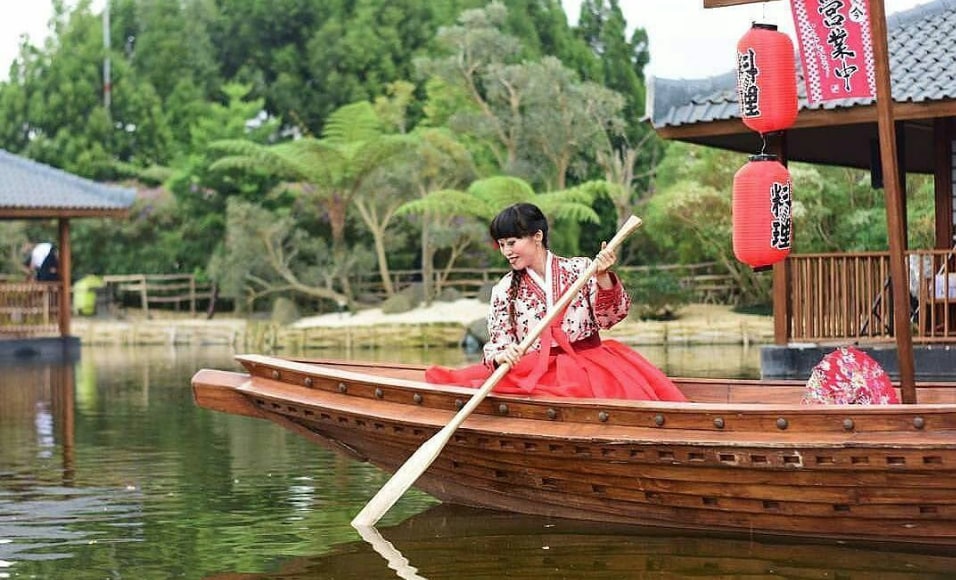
pixel 29 309
pixel 848 297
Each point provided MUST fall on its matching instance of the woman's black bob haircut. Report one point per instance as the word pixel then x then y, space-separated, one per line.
pixel 518 221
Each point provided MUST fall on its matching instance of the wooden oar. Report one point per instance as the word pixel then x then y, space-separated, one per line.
pixel 426 454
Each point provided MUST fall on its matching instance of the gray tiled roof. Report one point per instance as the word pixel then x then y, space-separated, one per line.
pixel 26 184
pixel 922 49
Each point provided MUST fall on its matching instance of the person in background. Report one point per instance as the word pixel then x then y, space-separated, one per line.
pixel 569 358
pixel 41 262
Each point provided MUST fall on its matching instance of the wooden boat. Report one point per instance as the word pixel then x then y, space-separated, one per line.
pixel 742 456
pixel 449 541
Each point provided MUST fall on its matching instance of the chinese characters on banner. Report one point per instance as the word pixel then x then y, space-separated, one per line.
pixel 836 48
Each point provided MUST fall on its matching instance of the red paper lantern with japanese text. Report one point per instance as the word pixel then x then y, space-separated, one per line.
pixel 763 226
pixel 766 79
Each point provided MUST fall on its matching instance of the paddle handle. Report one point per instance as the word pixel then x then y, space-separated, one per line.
pixel 426 454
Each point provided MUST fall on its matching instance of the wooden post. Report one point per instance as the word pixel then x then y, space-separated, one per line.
pixel 894 205
pixel 192 295
pixel 144 296
pixel 782 309
pixel 943 181
pixel 65 275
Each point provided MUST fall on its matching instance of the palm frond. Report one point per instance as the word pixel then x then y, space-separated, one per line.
pixel 313 159
pixel 246 156
pixel 577 212
pixel 503 189
pixel 352 123
pixel 446 202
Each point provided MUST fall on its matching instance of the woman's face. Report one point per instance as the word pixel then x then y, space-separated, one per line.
pixel 521 253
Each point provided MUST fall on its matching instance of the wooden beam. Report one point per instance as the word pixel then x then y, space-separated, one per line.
pixel 782 308
pixel 46 213
pixel 722 3
pixel 809 119
pixel 895 218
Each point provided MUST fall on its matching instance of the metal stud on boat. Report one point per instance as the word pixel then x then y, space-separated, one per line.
pixel 343 388
pixel 848 424
pixel 379 393
pixel 919 422
pixel 658 420
pixel 459 403
pixel 719 422
pixel 308 382
pixel 782 423
pixel 417 397
pixel 503 409
pixel 552 414
pixel 275 374
pixel 603 416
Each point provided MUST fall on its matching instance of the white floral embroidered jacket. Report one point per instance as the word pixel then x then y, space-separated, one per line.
pixel 592 309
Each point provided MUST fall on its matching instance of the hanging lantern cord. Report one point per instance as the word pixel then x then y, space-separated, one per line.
pixel 763 144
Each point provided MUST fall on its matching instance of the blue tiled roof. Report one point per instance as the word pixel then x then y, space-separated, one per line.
pixel 922 49
pixel 26 184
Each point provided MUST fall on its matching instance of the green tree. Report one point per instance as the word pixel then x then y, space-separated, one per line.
pixel 168 44
pixel 629 157
pixel 471 210
pixel 266 253
pixel 438 162
pixel 601 25
pixel 53 109
pixel 326 174
pixel 434 160
pixel 534 118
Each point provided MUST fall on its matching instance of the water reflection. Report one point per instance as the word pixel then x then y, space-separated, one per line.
pixel 108 469
pixel 462 543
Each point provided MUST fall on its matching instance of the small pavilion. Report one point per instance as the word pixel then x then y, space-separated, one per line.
pixel 35 316
pixel 823 300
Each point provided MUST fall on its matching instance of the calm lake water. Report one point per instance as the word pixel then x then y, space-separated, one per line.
pixel 108 470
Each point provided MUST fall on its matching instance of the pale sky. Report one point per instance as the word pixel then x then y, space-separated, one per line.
pixel 686 40
pixel 690 42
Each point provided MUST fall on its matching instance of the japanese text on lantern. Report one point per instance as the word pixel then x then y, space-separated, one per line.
pixel 747 81
pixel 780 209
pixel 836 48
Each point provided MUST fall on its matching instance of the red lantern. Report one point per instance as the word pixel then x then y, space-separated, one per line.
pixel 766 79
pixel 763 227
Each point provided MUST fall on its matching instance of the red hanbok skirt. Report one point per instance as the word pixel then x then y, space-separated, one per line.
pixel 591 368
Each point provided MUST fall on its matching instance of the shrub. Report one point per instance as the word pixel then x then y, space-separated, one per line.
pixel 449 294
pixel 397 304
pixel 415 293
pixel 284 311
pixel 655 294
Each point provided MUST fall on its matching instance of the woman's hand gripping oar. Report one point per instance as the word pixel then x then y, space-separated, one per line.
pixel 426 454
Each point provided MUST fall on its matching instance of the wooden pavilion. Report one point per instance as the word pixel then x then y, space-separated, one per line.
pixel 823 300
pixel 35 316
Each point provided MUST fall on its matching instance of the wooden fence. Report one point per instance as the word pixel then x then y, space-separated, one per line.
pixel 706 282
pixel 180 290
pixel 29 309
